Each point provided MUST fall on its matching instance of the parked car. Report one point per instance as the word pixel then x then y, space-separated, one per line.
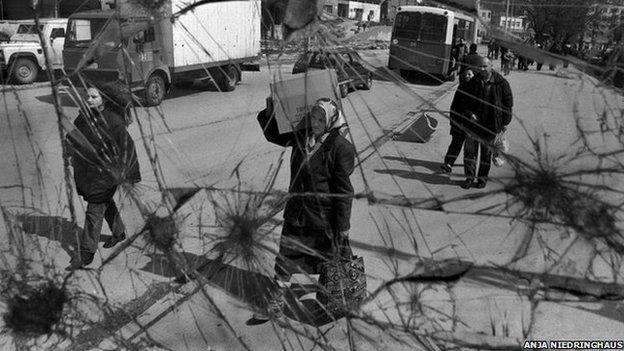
pixel 347 63
pixel 23 59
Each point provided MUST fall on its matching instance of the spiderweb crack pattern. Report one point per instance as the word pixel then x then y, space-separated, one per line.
pixel 446 269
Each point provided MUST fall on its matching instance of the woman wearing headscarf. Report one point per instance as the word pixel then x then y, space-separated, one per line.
pixel 457 119
pixel 318 211
pixel 103 157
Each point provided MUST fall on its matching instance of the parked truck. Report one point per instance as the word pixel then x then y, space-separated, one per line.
pixel 22 57
pixel 214 41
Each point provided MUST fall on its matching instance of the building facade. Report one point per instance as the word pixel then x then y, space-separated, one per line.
pixel 485 20
pixel 356 10
pixel 20 9
pixel 391 8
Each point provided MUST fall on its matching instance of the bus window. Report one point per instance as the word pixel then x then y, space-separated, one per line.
pixel 433 28
pixel 407 24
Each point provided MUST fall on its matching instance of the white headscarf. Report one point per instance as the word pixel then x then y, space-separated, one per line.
pixel 334 119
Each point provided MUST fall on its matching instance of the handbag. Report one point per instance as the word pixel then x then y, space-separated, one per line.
pixel 500 146
pixel 500 143
pixel 343 282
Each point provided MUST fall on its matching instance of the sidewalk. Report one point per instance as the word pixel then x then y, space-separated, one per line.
pixel 482 301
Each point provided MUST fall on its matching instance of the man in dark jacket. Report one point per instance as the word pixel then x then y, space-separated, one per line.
pixel 490 105
pixel 103 157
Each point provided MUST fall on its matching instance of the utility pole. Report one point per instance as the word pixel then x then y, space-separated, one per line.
pixel 507 17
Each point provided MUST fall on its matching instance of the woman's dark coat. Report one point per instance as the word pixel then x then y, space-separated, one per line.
pixel 459 120
pixel 326 172
pixel 103 155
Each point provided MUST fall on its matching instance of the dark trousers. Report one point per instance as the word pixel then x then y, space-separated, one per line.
pixel 539 66
pixel 457 143
pixel 471 158
pixel 94 218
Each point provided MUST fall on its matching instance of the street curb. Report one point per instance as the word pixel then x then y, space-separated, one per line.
pixel 10 87
pixel 369 150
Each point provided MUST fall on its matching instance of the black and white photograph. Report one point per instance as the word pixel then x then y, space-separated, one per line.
pixel 297 175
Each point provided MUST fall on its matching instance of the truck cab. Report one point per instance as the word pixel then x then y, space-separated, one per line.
pixel 143 66
pixel 22 57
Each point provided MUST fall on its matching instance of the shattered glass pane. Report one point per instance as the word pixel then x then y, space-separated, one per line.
pixel 154 127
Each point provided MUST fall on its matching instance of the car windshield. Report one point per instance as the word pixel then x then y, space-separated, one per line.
pixel 81 31
pixel 28 29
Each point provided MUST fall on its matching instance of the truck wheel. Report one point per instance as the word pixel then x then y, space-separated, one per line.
pixel 24 71
pixel 228 78
pixel 154 90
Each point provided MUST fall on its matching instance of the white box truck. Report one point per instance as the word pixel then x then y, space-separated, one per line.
pixel 215 40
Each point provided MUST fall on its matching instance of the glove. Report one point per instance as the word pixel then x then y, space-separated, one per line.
pixel 342 244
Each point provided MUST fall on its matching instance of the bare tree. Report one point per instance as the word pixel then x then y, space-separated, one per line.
pixel 560 20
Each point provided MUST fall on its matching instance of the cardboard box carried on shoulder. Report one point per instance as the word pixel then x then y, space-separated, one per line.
pixel 294 97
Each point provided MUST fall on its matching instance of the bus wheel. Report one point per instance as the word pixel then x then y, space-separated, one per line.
pixel 154 90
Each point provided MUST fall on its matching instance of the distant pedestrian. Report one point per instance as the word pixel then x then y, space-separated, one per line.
pixel 472 53
pixel 458 54
pixel 555 49
pixel 507 58
pixel 458 120
pixel 566 51
pixel 497 49
pixel 490 106
pixel 522 63
pixel 539 64
pixel 318 213
pixel 103 157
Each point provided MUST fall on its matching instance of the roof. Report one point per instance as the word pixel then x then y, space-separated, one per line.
pixel 437 11
pixel 52 20
pixel 105 14
pixel 93 14
pixel 332 50
pixel 469 7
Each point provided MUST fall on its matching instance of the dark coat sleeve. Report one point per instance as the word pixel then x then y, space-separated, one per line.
pixel 271 131
pixel 343 157
pixel 128 156
pixel 507 103
pixel 458 106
